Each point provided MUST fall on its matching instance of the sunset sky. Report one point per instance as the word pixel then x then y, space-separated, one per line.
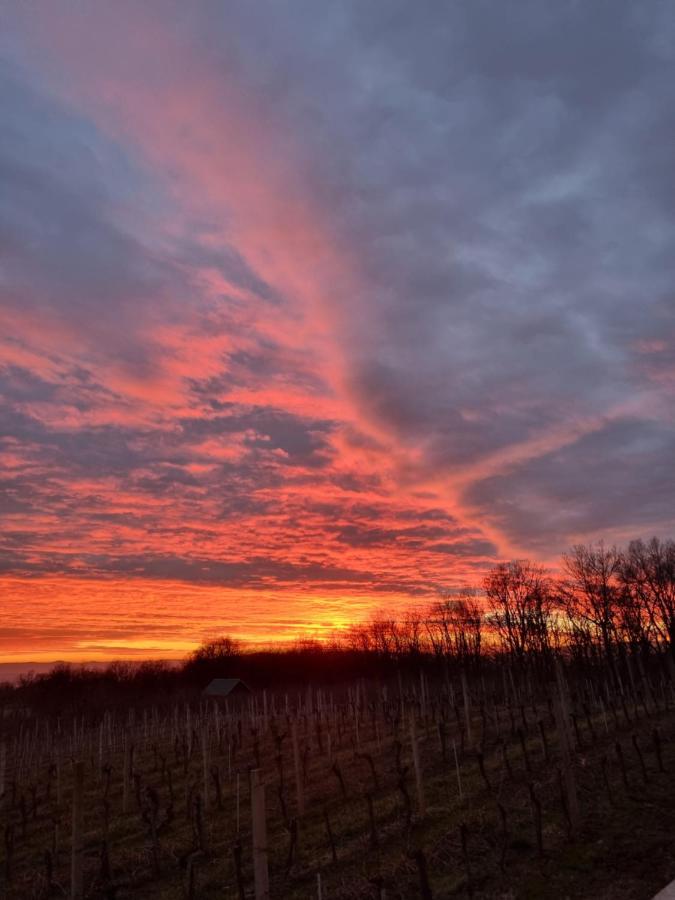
pixel 310 309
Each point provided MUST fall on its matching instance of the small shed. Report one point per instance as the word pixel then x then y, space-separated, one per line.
pixel 226 688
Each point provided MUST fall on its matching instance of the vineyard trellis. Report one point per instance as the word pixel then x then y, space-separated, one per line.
pixel 418 786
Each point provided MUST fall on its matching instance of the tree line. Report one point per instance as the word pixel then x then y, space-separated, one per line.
pixel 605 602
pixel 605 606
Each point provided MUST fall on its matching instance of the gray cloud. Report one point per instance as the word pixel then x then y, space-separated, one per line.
pixel 258 571
pixel 616 479
pixel 504 171
pixel 302 441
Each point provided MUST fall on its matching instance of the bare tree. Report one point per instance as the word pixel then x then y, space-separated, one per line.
pixel 455 627
pixel 521 602
pixel 648 572
pixel 591 590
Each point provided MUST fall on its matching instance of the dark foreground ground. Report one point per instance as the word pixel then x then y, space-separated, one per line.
pixel 567 790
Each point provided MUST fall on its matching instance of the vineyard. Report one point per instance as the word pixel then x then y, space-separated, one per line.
pixel 490 784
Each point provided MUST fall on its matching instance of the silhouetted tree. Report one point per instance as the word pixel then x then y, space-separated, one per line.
pixel 455 627
pixel 648 572
pixel 212 659
pixel 591 591
pixel 520 601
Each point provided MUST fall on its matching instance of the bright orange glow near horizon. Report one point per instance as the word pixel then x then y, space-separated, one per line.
pixel 81 621
pixel 302 318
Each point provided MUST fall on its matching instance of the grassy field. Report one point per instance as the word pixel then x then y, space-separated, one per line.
pixel 478 786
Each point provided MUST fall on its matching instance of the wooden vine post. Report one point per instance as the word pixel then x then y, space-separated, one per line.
pixel 259 824
pixel 297 768
pixel 467 709
pixel 205 769
pixel 418 768
pixel 562 717
pixel 77 851
pixel 126 772
pixel 3 766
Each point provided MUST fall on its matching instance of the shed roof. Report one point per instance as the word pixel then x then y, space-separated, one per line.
pixel 223 687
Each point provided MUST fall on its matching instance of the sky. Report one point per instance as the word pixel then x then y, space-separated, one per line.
pixel 314 309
